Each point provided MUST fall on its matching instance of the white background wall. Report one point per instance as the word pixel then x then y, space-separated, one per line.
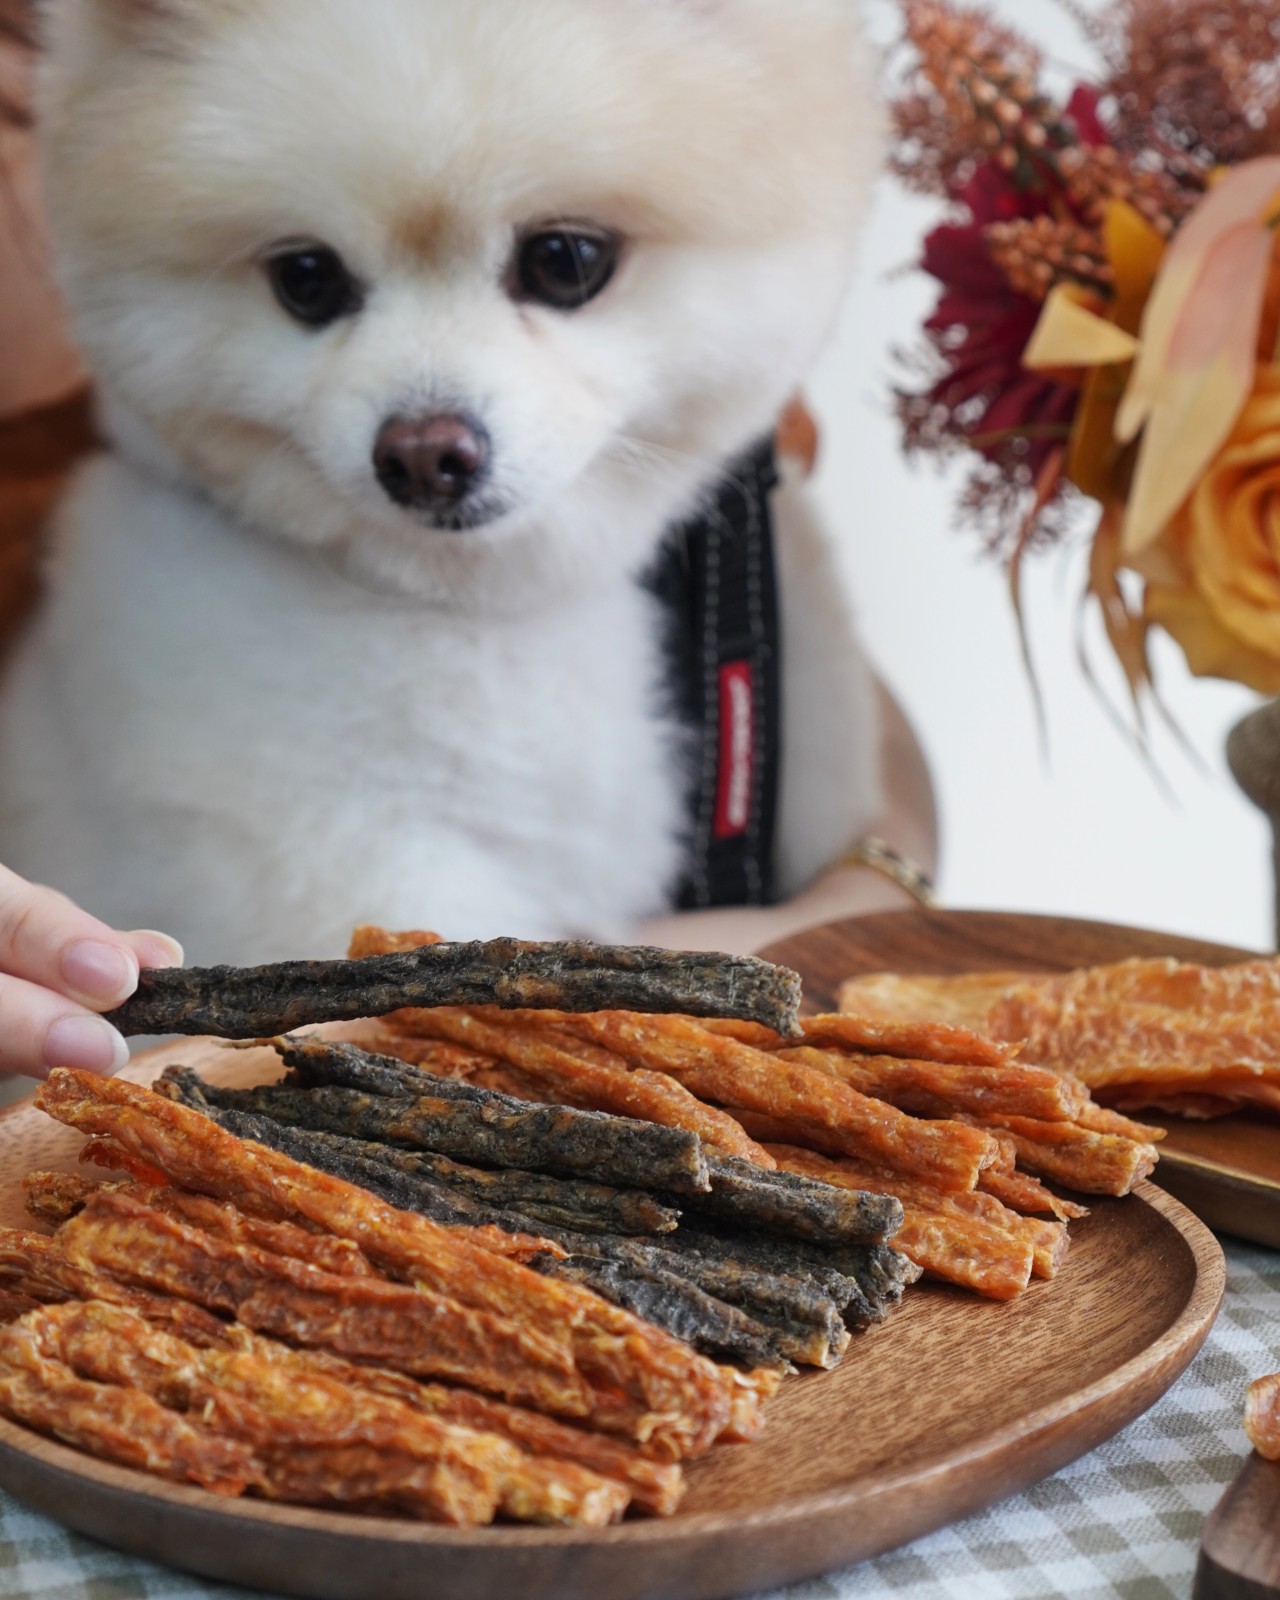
pixel 1086 831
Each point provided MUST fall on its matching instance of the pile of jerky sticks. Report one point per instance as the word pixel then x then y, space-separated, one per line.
pixel 753 1265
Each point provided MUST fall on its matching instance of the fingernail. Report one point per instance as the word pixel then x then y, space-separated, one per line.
pixel 87 1043
pixel 100 971
pixel 157 949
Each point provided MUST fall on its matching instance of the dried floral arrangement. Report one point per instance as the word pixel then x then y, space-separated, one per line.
pixel 1107 332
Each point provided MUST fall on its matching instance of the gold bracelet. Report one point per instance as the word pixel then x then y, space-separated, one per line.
pixel 895 866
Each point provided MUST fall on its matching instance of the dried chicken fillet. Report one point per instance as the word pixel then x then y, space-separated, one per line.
pixel 54 1197
pixel 1262 1417
pixel 597 1083
pixel 35 1268
pixel 325 1440
pixel 1123 1045
pixel 655 1486
pixel 1021 1192
pixel 829 1113
pixel 57 1196
pixel 1104 1119
pixel 926 1040
pixel 940 1089
pixel 121 1425
pixel 14 1305
pixel 1179 985
pixel 253 1002
pixel 1157 1034
pixel 958 1002
pixel 436 1056
pixel 965 1249
pixel 367 1319
pixel 1049 1240
pixel 32 1265
pixel 368 940
pixel 752 1033
pixel 667 1394
pixel 1095 1163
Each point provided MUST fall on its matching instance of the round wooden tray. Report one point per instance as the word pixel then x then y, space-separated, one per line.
pixel 952 1405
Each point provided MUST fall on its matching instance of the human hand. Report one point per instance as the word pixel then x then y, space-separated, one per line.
pixel 58 967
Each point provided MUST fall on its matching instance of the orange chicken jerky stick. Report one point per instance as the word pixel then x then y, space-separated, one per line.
pixel 917 1041
pixel 1094 1163
pixel 309 1430
pixel 668 1394
pixel 121 1425
pixel 57 1196
pixel 38 1263
pixel 829 1113
pixel 654 1486
pixel 941 1089
pixel 397 1325
pixel 36 1268
pixel 1021 1192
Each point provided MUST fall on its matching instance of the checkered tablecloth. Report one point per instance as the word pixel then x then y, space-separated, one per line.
pixel 1122 1524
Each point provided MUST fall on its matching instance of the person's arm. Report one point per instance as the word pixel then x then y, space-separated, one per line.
pixel 59 967
pixel 909 824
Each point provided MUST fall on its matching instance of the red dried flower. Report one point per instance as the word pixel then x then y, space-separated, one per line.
pixel 981 397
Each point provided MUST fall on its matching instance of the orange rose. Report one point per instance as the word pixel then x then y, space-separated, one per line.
pixel 1213 576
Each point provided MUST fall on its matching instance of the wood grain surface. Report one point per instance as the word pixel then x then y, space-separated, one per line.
pixel 1240 1555
pixel 952 1405
pixel 1226 1171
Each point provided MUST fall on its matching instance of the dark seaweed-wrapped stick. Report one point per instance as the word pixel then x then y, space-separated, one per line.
pixel 753 1196
pixel 574 1203
pixel 864 1281
pixel 786 1318
pixel 250 1002
pixel 550 1139
pixel 396 1188
pixel 806 1325
pixel 347 1066
pixel 680 1307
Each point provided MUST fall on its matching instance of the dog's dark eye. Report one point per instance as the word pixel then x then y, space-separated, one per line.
pixel 313 285
pixel 566 267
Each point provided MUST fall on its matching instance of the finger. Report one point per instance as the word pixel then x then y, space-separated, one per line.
pixel 155 949
pixel 47 940
pixel 39 1030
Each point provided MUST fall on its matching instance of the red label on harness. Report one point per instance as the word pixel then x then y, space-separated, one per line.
pixel 737 750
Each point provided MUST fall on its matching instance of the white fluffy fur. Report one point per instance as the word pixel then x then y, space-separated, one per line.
pixel 261 702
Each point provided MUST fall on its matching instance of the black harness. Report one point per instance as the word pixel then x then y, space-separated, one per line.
pixel 717 583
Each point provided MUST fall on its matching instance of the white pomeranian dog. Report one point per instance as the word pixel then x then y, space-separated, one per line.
pixel 417 325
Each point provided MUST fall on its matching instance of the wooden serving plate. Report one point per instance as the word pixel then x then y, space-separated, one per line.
pixel 954 1404
pixel 1227 1171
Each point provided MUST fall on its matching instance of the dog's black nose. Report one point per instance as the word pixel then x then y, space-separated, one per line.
pixel 422 461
